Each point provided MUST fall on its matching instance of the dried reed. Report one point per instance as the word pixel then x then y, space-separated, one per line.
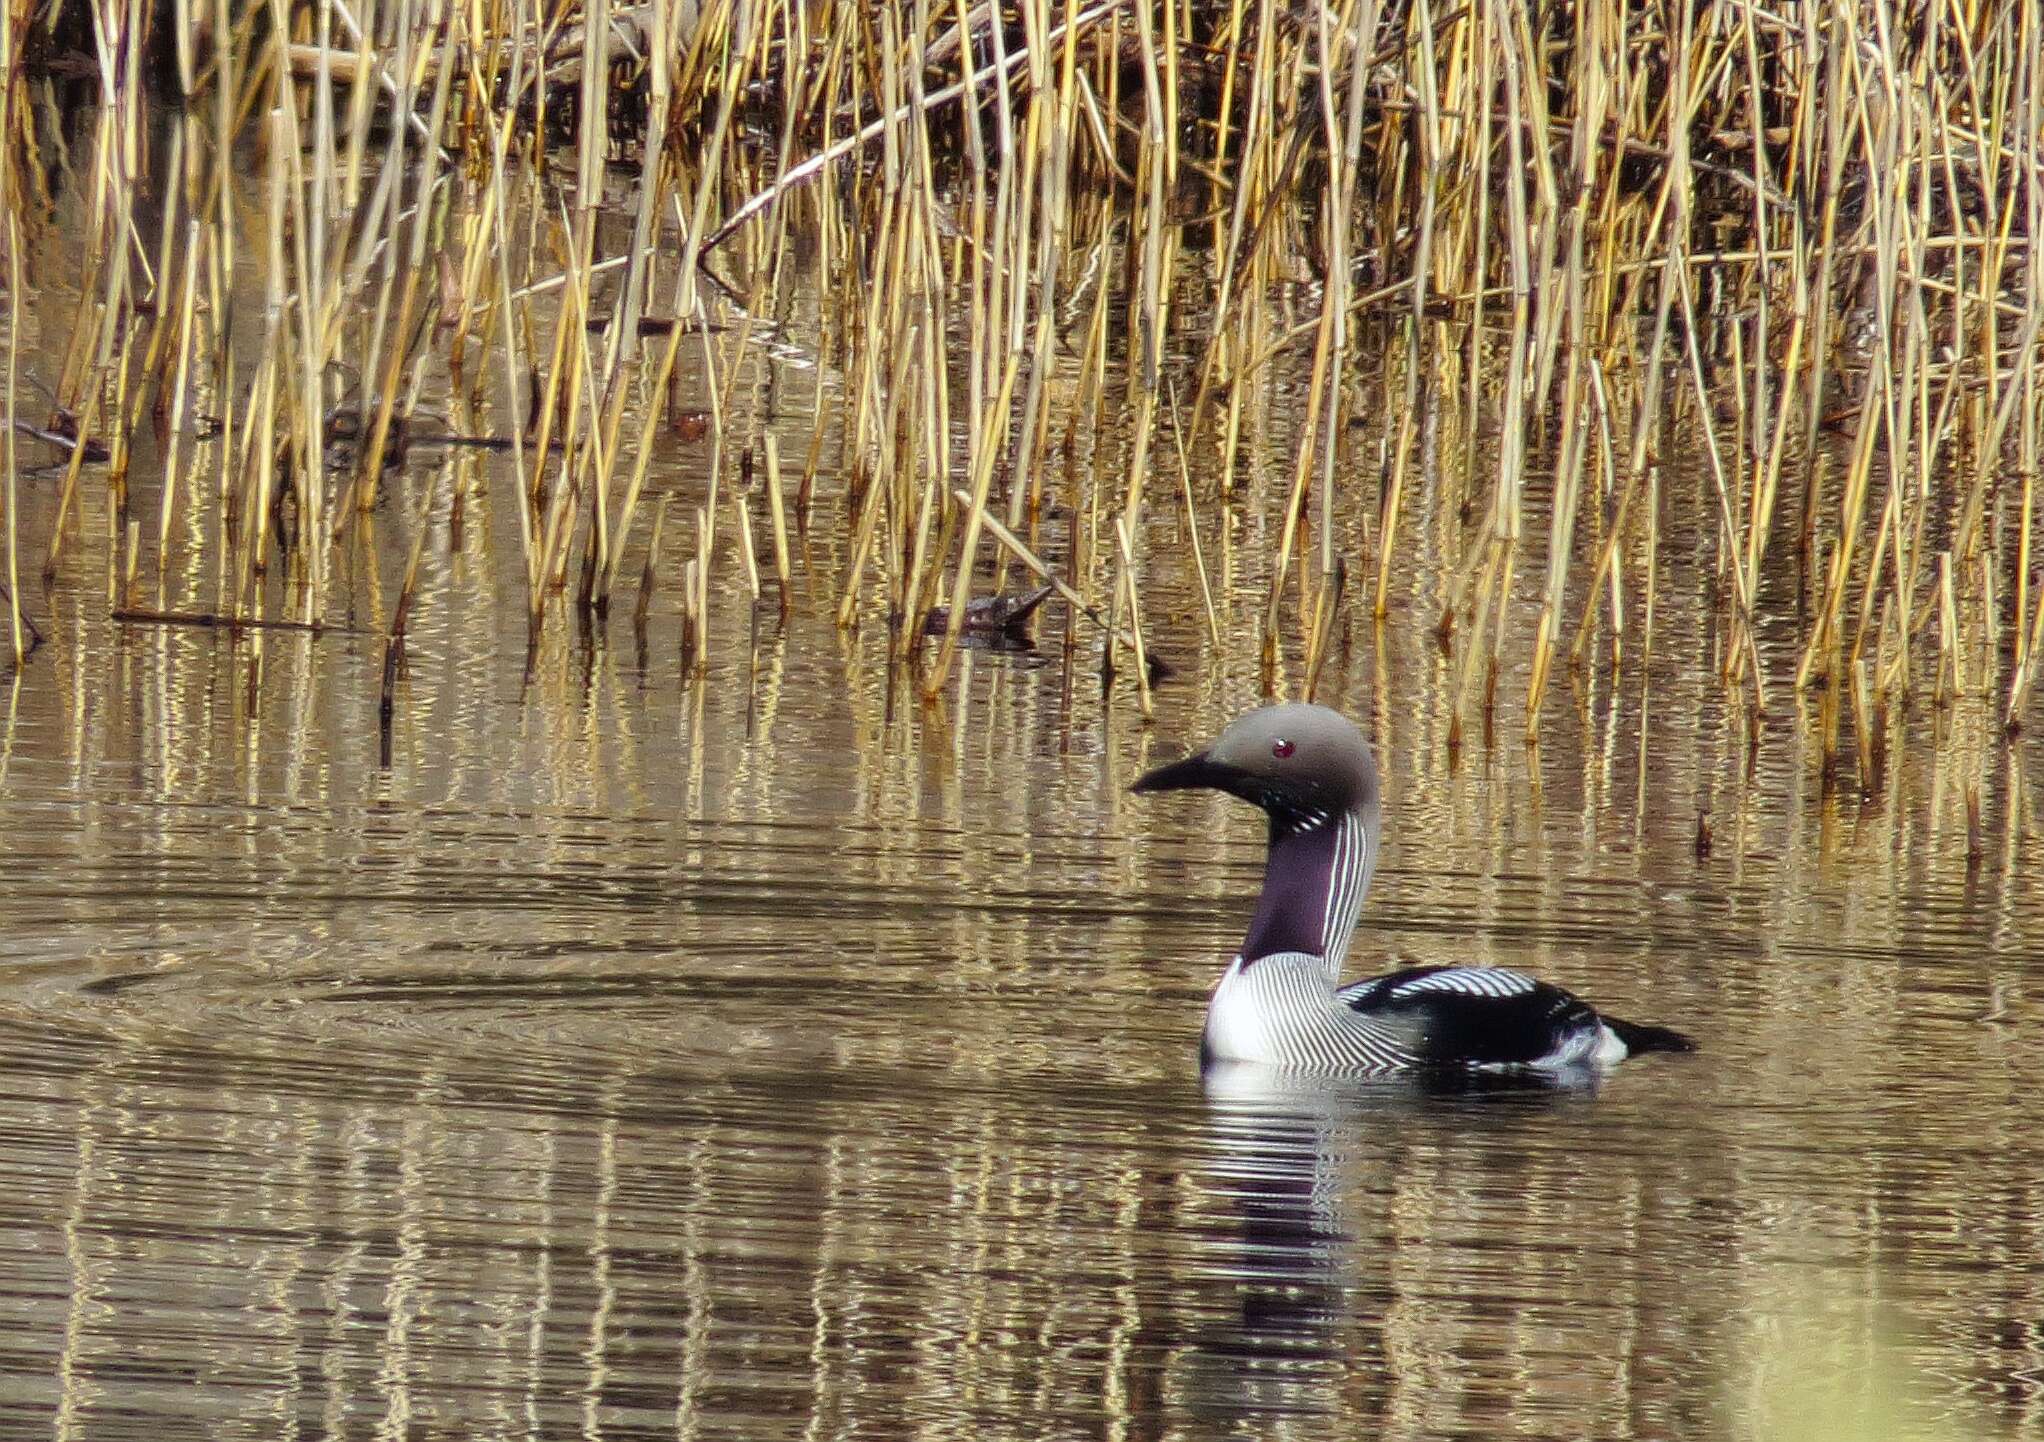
pixel 1582 238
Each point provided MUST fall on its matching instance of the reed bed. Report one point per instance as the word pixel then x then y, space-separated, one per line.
pixel 1560 257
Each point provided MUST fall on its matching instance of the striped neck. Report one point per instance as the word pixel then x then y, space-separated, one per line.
pixel 1314 879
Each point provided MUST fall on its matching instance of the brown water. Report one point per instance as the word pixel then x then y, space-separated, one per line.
pixel 739 1059
pixel 767 1055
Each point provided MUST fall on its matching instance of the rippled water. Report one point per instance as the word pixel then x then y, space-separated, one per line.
pixel 640 1059
pixel 770 1055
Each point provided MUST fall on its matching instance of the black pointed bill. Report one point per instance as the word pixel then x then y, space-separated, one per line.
pixel 1196 770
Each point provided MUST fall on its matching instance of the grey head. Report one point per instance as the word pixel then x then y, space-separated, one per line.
pixel 1301 763
pixel 1311 771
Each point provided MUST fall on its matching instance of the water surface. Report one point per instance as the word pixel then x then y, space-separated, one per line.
pixel 645 1059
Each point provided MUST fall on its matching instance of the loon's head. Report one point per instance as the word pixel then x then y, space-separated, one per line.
pixel 1311 771
pixel 1301 763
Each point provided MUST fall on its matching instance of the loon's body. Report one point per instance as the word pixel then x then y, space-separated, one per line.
pixel 1280 1002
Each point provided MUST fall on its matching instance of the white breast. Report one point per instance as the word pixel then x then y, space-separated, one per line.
pixel 1238 1019
pixel 1279 1010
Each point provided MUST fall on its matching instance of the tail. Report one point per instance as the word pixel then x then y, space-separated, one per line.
pixel 1640 1037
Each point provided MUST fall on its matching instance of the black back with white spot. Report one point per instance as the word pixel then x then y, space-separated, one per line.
pixel 1468 1015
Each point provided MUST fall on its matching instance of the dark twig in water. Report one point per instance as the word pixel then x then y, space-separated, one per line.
pixel 345 430
pixel 94 450
pixel 132 616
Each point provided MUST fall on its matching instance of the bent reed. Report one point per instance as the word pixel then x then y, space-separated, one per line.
pixel 1060 247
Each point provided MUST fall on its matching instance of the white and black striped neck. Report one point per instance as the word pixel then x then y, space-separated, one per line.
pixel 1315 875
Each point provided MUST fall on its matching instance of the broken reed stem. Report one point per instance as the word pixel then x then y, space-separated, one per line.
pixel 19 630
pixel 779 513
pixel 649 574
pixel 401 615
pixel 1327 607
pixel 1135 615
pixel 743 526
pixel 1199 565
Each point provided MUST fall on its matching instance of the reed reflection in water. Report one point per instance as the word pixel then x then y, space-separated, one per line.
pixel 746 1059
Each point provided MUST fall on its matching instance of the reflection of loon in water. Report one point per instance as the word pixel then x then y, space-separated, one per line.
pixel 1292 1156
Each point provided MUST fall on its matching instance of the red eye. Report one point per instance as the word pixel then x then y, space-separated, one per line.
pixel 1282 748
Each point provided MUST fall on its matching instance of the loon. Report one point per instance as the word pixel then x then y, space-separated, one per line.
pixel 1279 1003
